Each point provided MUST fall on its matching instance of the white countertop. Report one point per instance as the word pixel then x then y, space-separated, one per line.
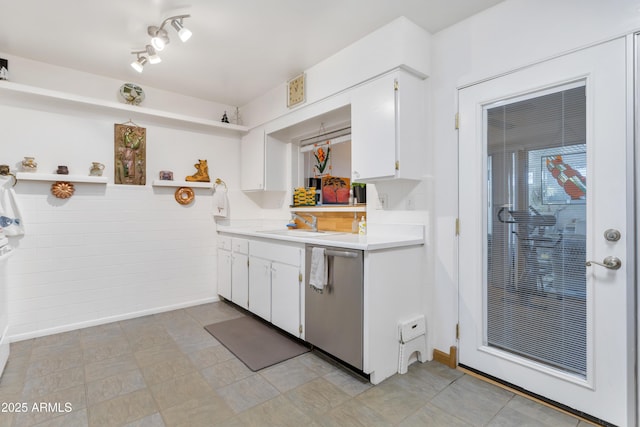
pixel 378 236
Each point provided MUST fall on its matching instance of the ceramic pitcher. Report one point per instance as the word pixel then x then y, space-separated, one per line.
pixel 96 169
pixel 29 164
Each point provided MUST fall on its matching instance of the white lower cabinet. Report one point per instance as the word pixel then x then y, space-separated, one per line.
pixel 233 270
pixel 224 267
pixel 240 279
pixel 224 273
pixel 275 284
pixel 240 272
pixel 285 297
pixel 260 287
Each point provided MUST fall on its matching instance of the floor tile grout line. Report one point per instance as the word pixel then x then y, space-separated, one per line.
pixel 129 331
pixel 524 395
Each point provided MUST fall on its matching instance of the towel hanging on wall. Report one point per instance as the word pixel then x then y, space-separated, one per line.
pixel 220 200
pixel 10 216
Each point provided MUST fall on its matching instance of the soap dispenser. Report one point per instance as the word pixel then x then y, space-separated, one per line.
pixel 362 227
pixel 355 224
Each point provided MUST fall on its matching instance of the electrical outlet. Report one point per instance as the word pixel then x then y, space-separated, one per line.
pixel 383 201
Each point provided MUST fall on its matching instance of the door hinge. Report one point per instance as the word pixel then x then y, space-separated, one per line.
pixel 247 262
pixel 300 277
pixel 457 120
pixel 395 85
pixel 457 331
pixel 457 226
pixel 300 328
pixel 397 165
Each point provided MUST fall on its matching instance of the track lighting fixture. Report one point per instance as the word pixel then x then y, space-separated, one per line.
pixel 183 32
pixel 159 39
pixel 140 62
pixel 152 55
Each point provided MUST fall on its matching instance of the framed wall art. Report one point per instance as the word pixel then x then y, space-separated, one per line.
pixel 130 147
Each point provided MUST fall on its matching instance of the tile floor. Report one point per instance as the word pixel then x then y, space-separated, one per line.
pixel 166 370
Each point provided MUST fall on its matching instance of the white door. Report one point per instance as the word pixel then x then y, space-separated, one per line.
pixel 551 145
pixel 285 297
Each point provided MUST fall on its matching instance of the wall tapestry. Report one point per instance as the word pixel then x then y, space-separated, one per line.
pixel 130 141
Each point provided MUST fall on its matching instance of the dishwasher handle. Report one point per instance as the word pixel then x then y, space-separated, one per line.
pixel 342 254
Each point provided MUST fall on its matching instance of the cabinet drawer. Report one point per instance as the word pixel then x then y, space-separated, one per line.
pixel 224 242
pixel 285 253
pixel 240 246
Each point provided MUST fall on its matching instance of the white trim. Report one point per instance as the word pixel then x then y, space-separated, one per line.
pixel 479 80
pixel 110 319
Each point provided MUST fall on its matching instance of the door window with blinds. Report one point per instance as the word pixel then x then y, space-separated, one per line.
pixel 536 227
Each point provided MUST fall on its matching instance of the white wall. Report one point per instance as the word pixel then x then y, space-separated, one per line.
pixel 400 42
pixel 110 251
pixel 510 35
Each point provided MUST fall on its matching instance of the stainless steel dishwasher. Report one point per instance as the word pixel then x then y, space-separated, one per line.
pixel 334 317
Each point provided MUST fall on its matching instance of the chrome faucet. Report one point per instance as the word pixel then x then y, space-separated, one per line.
pixel 313 223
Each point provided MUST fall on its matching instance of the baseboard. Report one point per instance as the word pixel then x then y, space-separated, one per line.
pixel 104 320
pixel 450 359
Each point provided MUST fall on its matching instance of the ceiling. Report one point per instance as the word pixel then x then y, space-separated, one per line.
pixel 240 49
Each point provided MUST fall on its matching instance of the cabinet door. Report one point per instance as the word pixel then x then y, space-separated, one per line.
pixel 240 280
pixel 411 128
pixel 275 166
pixel 260 287
pixel 224 274
pixel 373 130
pixel 252 160
pixel 285 297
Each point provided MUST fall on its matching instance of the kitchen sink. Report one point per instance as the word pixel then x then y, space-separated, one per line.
pixel 300 233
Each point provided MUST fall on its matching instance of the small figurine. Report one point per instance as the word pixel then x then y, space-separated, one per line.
pixel 202 174
pixel 225 119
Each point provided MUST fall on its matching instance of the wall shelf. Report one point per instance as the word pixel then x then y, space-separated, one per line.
pixel 10 91
pixel 52 177
pixel 329 208
pixel 167 183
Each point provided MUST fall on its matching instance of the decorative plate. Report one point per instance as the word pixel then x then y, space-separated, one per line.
pixel 132 93
pixel 62 189
pixel 184 195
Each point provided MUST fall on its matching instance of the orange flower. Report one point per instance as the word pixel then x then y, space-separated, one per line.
pixel 321 159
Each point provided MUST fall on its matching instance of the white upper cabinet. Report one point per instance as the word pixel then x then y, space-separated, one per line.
pixel 263 162
pixel 388 131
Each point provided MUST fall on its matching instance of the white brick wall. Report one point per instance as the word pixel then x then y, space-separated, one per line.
pixel 110 251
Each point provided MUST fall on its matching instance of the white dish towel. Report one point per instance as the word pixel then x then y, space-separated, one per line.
pixel 10 216
pixel 220 202
pixel 318 271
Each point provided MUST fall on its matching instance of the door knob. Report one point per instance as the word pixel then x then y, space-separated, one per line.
pixel 610 262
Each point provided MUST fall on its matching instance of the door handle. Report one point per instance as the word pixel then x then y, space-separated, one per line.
pixel 610 262
pixel 342 254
